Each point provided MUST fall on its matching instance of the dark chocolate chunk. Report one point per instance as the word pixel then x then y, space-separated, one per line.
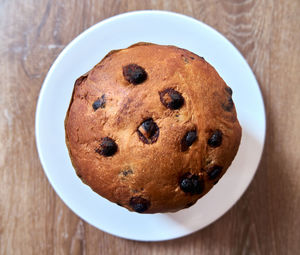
pixel 189 138
pixel 99 103
pixel 134 74
pixel 171 99
pixel 228 90
pixel 216 139
pixel 108 147
pixel 228 105
pixel 148 131
pixel 139 204
pixel 192 184
pixel 149 125
pixel 127 172
pixel 186 185
pixel 214 172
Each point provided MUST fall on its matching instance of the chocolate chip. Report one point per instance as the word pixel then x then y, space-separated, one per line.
pixel 192 57
pixel 127 172
pixel 148 131
pixel 139 204
pixel 228 105
pixel 149 126
pixel 134 74
pixel 171 99
pixel 186 185
pixel 189 138
pixel 108 147
pixel 214 172
pixel 228 90
pixel 192 184
pixel 216 139
pixel 99 103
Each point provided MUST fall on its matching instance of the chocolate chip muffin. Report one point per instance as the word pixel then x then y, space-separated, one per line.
pixel 152 128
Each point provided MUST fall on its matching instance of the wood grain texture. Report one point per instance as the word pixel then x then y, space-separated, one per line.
pixel 33 220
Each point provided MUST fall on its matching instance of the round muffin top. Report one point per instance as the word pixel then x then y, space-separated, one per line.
pixel 152 128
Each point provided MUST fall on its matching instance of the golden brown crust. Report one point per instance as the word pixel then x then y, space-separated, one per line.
pixel 150 171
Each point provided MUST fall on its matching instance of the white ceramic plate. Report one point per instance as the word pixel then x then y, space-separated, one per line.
pixel 87 50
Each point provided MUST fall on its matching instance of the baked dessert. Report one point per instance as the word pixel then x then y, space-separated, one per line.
pixel 152 128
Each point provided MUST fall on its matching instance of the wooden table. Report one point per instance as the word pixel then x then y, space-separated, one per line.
pixel 33 219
